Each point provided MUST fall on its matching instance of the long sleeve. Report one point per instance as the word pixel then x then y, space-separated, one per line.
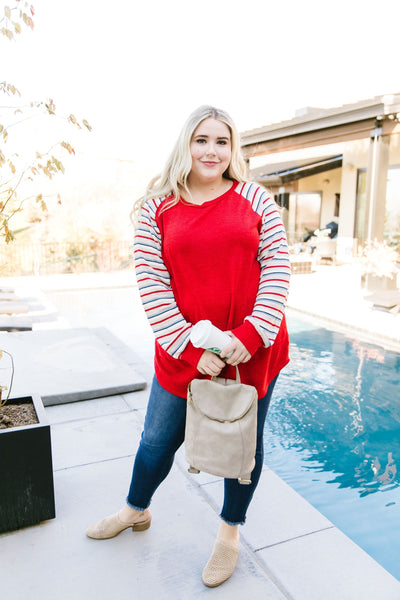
pixel 273 257
pixel 169 326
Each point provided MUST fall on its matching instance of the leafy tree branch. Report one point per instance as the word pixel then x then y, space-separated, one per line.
pixel 14 170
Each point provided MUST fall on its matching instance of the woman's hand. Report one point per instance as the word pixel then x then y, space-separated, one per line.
pixel 210 364
pixel 237 350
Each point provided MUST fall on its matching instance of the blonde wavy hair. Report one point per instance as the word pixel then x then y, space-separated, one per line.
pixel 173 178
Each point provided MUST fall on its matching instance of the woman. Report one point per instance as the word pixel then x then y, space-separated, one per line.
pixel 208 245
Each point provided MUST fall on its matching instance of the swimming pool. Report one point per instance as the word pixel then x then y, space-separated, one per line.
pixel 333 434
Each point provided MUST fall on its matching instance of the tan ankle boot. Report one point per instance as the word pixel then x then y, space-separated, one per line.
pixel 112 526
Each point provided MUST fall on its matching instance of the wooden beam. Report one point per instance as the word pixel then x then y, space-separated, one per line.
pixel 320 137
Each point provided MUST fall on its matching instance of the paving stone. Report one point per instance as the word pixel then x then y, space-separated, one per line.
pixel 99 407
pixel 137 400
pixel 67 365
pixel 327 565
pixel 93 440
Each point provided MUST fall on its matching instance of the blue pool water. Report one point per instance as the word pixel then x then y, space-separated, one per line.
pixel 333 434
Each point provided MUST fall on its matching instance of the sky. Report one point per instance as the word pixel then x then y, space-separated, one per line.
pixel 136 70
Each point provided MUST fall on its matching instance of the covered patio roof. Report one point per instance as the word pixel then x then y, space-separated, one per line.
pixel 292 170
pixel 317 126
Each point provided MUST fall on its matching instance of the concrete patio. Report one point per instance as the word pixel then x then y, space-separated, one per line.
pixel 288 549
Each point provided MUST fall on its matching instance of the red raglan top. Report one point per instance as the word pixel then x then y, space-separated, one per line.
pixel 225 260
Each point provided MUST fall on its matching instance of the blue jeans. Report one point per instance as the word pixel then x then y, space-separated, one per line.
pixel 163 434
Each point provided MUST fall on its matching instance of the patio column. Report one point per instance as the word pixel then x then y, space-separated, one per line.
pixel 378 163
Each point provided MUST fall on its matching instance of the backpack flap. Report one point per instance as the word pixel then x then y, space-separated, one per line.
pixel 222 399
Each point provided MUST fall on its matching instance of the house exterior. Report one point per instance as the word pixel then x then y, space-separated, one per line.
pixel 338 165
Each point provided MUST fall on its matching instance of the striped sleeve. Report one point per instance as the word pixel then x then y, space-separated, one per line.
pixel 273 256
pixel 168 324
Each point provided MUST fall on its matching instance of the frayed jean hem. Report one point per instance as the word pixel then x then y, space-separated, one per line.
pixel 136 507
pixel 231 522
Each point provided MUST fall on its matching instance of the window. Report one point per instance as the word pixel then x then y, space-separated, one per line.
pixel 337 205
pixel 392 211
pixel 304 214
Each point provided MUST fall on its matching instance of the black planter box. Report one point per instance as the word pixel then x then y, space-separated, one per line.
pixel 26 471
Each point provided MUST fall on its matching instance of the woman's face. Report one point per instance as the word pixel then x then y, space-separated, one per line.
pixel 211 151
